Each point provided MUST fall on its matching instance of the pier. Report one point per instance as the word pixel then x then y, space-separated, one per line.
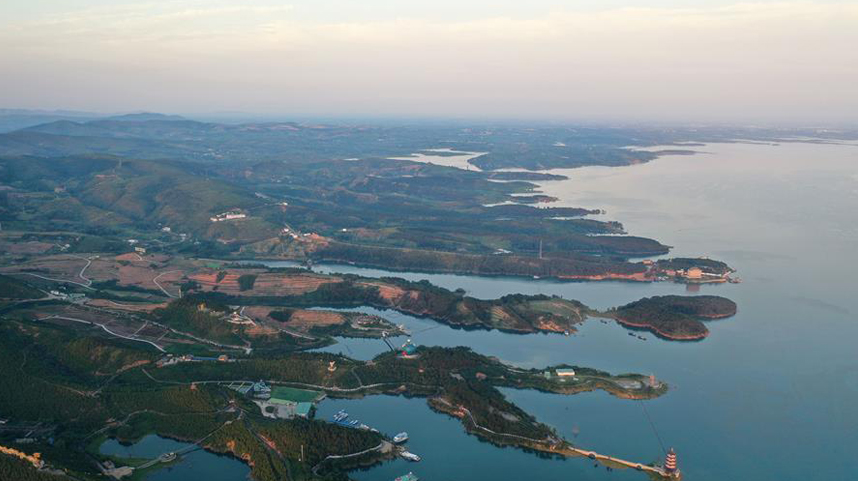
pixel 668 472
pixel 173 455
pixel 169 457
pixel 656 470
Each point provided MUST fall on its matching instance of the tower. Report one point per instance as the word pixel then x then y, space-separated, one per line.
pixel 670 462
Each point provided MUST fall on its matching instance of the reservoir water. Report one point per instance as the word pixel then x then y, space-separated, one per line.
pixel 446 157
pixel 194 465
pixel 771 394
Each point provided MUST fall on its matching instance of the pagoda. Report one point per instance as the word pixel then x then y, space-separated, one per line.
pixel 670 465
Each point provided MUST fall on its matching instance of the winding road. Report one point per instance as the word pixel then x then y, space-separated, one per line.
pixel 155 281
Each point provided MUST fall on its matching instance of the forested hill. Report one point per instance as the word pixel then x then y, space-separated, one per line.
pixel 675 317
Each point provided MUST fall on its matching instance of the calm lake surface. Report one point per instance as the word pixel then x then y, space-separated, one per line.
pixel 199 464
pixel 771 394
pixel 446 157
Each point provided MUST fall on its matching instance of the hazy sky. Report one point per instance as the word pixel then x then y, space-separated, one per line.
pixel 577 60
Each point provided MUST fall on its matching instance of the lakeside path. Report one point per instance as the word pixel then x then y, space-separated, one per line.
pixel 565 449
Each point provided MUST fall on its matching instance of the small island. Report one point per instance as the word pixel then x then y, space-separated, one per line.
pixel 674 317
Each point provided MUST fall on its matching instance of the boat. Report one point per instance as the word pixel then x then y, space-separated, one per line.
pixel 408 477
pixel 341 416
pixel 401 437
pixel 410 456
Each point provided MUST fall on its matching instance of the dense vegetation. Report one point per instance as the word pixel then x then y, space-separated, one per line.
pixel 68 385
pixel 422 260
pixel 11 288
pixel 246 281
pixel 318 439
pixel 675 317
pixel 13 469
pixel 203 318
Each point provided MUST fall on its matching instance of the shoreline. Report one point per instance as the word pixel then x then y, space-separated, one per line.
pixel 658 332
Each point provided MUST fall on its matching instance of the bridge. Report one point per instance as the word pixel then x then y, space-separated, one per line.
pixel 172 455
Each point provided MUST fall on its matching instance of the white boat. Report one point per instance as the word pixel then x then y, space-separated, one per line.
pixel 341 416
pixel 410 456
pixel 400 438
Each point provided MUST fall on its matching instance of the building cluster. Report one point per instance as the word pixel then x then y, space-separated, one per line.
pixel 691 275
pixel 561 374
pixel 69 296
pixel 228 215
pixel 289 232
pixel 137 248
pixel 236 317
pixel 170 360
pixel 280 402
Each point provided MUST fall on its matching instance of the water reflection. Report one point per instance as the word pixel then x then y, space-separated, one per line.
pixel 771 394
pixel 199 464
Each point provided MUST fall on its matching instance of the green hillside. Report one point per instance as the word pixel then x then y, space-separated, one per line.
pixel 11 288
pixel 114 193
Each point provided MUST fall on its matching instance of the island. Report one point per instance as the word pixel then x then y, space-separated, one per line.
pixel 674 317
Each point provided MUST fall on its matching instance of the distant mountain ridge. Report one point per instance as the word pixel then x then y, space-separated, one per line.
pixel 17 119
pixel 145 116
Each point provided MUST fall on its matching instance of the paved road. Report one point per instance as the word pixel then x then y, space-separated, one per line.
pixel 383 447
pixel 84 321
pixel 80 274
pixel 155 281
pixel 56 280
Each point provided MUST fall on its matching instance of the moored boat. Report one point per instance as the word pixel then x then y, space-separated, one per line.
pixel 341 416
pixel 410 456
pixel 400 438
pixel 407 477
